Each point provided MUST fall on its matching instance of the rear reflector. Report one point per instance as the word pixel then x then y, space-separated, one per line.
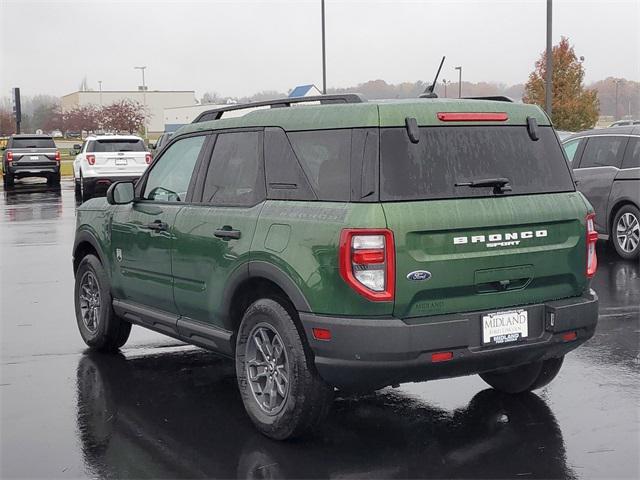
pixel 569 336
pixel 441 356
pixel 472 116
pixel 321 334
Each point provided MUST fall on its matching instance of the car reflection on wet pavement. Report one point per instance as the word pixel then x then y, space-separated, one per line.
pixel 163 409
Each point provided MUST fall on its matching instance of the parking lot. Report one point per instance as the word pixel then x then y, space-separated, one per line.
pixel 164 409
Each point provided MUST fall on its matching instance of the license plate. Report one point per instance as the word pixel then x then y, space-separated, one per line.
pixel 34 157
pixel 121 161
pixel 505 327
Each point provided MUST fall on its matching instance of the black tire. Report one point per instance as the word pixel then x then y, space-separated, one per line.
pixel 99 326
pixel 7 180
pixel 77 190
pixel 628 216
pixel 54 180
pixel 84 194
pixel 524 378
pixel 307 397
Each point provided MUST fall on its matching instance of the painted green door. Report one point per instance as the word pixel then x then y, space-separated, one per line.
pixel 213 237
pixel 142 233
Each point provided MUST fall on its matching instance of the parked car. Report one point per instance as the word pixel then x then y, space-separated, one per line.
pixel 606 166
pixel 625 123
pixel 103 159
pixel 350 246
pixel 30 156
pixel 161 142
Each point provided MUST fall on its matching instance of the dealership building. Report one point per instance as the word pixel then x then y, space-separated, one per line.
pixel 156 100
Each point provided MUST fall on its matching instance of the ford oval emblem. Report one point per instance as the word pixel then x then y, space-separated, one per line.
pixel 419 275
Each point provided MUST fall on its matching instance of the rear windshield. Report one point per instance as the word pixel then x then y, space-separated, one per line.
pixel 133 145
pixel 35 142
pixel 445 156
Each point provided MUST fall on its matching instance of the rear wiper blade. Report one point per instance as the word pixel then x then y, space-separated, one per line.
pixel 501 184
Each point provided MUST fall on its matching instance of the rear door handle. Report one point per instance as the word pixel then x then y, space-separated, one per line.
pixel 158 226
pixel 227 232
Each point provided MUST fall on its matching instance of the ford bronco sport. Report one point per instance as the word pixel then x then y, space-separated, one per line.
pixel 348 245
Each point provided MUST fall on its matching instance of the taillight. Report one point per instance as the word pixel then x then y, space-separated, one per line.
pixel 91 159
pixel 9 156
pixel 147 158
pixel 592 239
pixel 367 262
pixel 57 156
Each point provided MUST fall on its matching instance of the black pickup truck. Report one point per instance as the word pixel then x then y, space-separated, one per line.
pixel 30 156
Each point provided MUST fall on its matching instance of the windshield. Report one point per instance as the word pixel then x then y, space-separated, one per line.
pixel 133 145
pixel 34 142
pixel 456 162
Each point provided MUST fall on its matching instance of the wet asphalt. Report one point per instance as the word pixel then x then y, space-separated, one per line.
pixel 162 409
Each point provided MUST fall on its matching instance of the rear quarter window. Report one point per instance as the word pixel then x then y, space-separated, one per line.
pixel 445 156
pixel 325 156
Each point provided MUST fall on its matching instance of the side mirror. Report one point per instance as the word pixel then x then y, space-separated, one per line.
pixel 77 147
pixel 120 193
pixel 152 146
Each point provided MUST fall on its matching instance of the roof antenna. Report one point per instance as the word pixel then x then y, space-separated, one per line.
pixel 429 91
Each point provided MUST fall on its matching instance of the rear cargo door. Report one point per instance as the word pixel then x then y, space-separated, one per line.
pixel 463 248
pixel 118 155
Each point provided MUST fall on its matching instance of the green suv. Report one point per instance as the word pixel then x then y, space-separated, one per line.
pixel 339 244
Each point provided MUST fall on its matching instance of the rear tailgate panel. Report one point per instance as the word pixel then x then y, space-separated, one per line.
pixel 486 253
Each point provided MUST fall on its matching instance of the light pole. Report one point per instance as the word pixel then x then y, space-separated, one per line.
pixel 549 79
pixel 444 82
pixel 324 55
pixel 100 88
pixel 617 82
pixel 144 99
pixel 459 81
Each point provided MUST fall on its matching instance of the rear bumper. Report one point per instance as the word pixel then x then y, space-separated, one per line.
pixel 19 170
pixel 93 185
pixel 373 353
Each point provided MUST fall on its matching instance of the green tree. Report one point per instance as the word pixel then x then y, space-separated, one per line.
pixel 574 107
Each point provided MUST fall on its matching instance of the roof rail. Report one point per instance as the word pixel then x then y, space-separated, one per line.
pixel 216 113
pixel 495 98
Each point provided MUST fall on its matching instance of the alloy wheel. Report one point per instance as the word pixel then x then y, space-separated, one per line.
pixel 90 301
pixel 267 368
pixel 628 232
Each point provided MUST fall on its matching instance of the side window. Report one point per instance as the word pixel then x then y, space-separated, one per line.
pixel 285 178
pixel 235 175
pixel 168 181
pixel 325 157
pixel 570 149
pixel 632 155
pixel 603 151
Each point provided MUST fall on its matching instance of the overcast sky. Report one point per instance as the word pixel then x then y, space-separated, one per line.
pixel 240 47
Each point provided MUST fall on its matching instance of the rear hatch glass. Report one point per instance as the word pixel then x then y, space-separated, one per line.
pixel 33 142
pixel 133 145
pixel 446 157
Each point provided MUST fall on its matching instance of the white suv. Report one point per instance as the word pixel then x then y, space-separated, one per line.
pixel 104 159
